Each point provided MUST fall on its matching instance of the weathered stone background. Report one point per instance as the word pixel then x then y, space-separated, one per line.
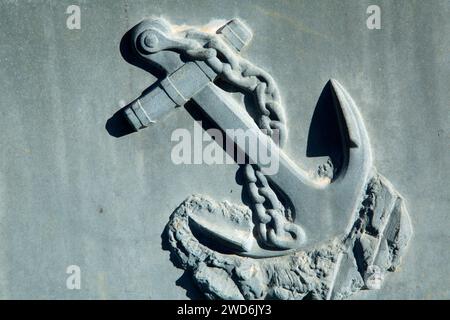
pixel 70 193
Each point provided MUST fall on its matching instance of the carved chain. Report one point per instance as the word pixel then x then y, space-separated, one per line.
pixel 273 220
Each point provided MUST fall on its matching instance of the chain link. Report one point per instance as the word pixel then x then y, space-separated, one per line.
pixel 273 221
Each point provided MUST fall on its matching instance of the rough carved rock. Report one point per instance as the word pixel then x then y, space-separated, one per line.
pixel 334 269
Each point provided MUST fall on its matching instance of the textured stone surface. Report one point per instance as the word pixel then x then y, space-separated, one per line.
pixel 334 269
pixel 70 193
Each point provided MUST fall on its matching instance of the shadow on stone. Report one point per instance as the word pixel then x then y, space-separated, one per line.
pixel 185 281
pixel 324 137
pixel 118 126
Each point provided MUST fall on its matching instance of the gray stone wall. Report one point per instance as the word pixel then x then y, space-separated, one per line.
pixel 72 194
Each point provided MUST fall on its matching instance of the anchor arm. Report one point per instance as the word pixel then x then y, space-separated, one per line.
pixel 322 208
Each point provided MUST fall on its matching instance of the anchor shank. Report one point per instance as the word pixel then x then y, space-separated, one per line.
pixel 291 180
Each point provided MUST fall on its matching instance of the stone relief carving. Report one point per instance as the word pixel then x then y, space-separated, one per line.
pixel 321 236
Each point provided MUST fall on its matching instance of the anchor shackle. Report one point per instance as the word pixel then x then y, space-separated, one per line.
pixel 154 42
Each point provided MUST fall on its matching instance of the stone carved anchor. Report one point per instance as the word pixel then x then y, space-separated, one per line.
pixel 315 238
pixel 323 209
